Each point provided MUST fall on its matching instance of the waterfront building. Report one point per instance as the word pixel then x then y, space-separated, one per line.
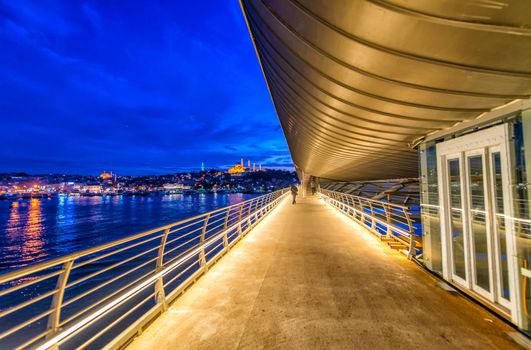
pixel 91 189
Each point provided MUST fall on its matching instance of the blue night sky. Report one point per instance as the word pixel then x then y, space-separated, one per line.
pixel 137 87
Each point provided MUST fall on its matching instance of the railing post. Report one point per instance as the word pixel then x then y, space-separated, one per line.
pixel 54 319
pixel 202 253
pixel 412 243
pixel 240 230
pixel 344 202
pixel 249 213
pixel 362 209
pixel 225 226
pixel 259 207
pixel 373 222
pixel 160 294
pixel 388 210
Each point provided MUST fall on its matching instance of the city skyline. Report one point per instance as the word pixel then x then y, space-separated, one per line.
pixel 181 170
pixel 84 88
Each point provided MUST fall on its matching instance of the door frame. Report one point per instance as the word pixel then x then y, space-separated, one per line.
pixel 507 209
pixel 496 136
pixel 446 221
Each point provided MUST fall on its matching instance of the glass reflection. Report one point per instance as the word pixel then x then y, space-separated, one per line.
pixel 500 224
pixel 478 221
pixel 458 243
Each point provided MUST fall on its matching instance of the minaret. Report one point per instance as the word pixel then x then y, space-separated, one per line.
pixel 260 166
pixel 254 166
pixel 249 164
pixel 202 166
pixel 242 162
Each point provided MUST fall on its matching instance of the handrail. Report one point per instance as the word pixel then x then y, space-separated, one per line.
pixel 387 220
pixel 103 296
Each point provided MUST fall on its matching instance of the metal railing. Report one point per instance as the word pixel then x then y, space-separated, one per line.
pixel 104 296
pixel 387 220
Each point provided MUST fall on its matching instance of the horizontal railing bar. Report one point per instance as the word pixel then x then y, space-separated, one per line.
pixel 27 303
pixel 92 306
pixel 215 228
pixel 34 339
pixel 25 323
pixel 24 285
pixel 84 263
pixel 180 246
pixel 184 235
pixel 189 224
pixel 108 268
pixel 112 324
pixel 181 273
pixel 215 247
pixel 114 279
pixel 220 219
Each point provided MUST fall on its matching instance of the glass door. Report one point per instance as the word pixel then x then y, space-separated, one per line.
pixel 476 199
pixel 501 258
pixel 458 250
pixel 478 227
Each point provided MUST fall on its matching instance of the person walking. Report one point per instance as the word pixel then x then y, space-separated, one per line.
pixel 294 192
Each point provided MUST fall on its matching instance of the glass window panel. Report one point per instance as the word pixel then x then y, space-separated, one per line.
pixel 478 222
pixel 500 224
pixel 431 224
pixel 456 209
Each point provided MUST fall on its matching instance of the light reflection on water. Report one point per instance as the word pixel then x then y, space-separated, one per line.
pixel 34 229
pixel 25 225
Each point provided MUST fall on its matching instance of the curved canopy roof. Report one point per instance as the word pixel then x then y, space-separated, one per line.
pixel 356 82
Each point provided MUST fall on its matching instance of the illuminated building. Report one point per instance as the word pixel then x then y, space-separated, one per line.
pixel 106 176
pixel 236 169
pixel 93 189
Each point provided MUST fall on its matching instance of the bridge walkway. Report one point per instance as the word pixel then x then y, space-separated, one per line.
pixel 308 277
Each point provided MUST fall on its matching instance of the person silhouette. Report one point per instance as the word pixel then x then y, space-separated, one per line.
pixel 294 192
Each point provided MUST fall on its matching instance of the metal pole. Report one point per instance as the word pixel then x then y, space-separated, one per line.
pixel 202 254
pixel 373 223
pixel 54 319
pixel 225 225
pixel 160 294
pixel 240 231
pixel 362 209
pixel 412 243
pixel 249 213
pixel 388 210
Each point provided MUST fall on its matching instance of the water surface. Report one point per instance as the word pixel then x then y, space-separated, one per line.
pixel 32 230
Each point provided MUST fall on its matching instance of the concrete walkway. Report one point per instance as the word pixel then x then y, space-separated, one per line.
pixel 308 277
